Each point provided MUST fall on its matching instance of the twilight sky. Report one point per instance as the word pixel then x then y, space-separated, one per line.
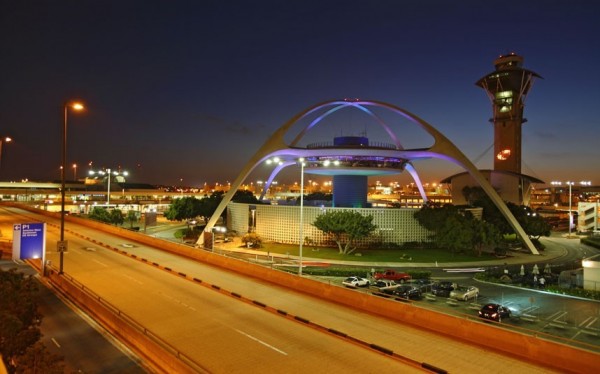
pixel 184 92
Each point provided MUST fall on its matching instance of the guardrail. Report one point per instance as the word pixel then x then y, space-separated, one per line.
pixel 149 345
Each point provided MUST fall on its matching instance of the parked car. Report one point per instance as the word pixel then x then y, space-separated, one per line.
pixel 494 312
pixel 408 292
pixel 385 286
pixel 442 289
pixel 464 293
pixel 397 276
pixel 354 282
pixel 423 284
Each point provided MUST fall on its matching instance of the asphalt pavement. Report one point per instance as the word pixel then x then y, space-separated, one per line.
pixel 68 332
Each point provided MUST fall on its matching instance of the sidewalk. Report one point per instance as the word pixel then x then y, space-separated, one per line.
pixel 551 252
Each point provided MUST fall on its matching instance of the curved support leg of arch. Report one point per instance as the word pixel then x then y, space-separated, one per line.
pixel 445 149
pixel 413 172
pixel 274 173
pixel 256 160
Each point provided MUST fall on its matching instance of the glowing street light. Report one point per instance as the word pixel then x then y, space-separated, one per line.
pixel 6 139
pixel 74 172
pixel 216 229
pixel 62 243
pixel 109 175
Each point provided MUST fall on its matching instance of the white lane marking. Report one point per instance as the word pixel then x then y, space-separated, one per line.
pixel 132 279
pixel 465 270
pixel 261 342
pixel 175 300
pixel 586 321
pixel 55 342
pixel 101 263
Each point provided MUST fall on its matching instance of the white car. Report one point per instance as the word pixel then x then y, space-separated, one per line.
pixel 464 293
pixel 356 282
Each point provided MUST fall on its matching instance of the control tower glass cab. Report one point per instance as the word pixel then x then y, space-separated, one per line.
pixel 507 88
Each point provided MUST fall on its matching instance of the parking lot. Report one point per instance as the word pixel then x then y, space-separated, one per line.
pixel 565 319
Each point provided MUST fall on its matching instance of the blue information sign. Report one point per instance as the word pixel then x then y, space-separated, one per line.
pixel 29 241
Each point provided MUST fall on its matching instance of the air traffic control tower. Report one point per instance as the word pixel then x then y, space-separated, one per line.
pixel 507 88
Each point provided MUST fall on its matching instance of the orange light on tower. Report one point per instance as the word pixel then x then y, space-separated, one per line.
pixel 503 155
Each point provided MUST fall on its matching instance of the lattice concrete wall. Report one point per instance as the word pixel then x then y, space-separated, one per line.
pixel 281 223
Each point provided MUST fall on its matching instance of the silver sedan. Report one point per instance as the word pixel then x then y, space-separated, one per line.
pixel 464 293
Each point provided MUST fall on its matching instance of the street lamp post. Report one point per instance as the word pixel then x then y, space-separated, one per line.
pixel 570 184
pixel 300 233
pixel 75 172
pixel 109 173
pixel 570 212
pixel 108 189
pixel 6 139
pixel 62 244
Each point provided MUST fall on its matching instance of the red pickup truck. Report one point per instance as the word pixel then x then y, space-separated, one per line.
pixel 399 277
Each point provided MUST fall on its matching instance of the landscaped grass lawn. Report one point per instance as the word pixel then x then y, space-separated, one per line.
pixel 417 255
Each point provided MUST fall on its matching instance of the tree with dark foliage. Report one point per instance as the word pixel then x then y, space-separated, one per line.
pixel 19 327
pixel 345 226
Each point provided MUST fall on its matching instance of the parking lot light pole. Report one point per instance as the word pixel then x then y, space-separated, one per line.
pixel 109 175
pixel 570 184
pixel 62 245
pixel 570 204
pixel 300 231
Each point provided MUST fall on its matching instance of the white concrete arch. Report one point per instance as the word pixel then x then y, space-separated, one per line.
pixel 442 148
pixel 341 105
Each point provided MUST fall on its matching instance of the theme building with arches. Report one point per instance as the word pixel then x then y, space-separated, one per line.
pixel 350 161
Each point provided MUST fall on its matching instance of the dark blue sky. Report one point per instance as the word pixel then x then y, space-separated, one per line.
pixel 191 89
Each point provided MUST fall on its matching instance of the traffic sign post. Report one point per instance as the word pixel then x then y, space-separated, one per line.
pixel 62 246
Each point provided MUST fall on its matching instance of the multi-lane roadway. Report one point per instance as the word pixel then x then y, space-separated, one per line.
pixel 223 334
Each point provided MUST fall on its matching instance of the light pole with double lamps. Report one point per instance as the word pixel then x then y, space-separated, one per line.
pixel 109 173
pixel 570 184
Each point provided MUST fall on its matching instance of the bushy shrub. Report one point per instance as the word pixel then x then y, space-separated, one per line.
pixel 578 292
pixel 538 245
pixel 499 251
pixel 419 274
pixel 253 239
pixel 593 241
pixel 332 271
pixel 348 272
